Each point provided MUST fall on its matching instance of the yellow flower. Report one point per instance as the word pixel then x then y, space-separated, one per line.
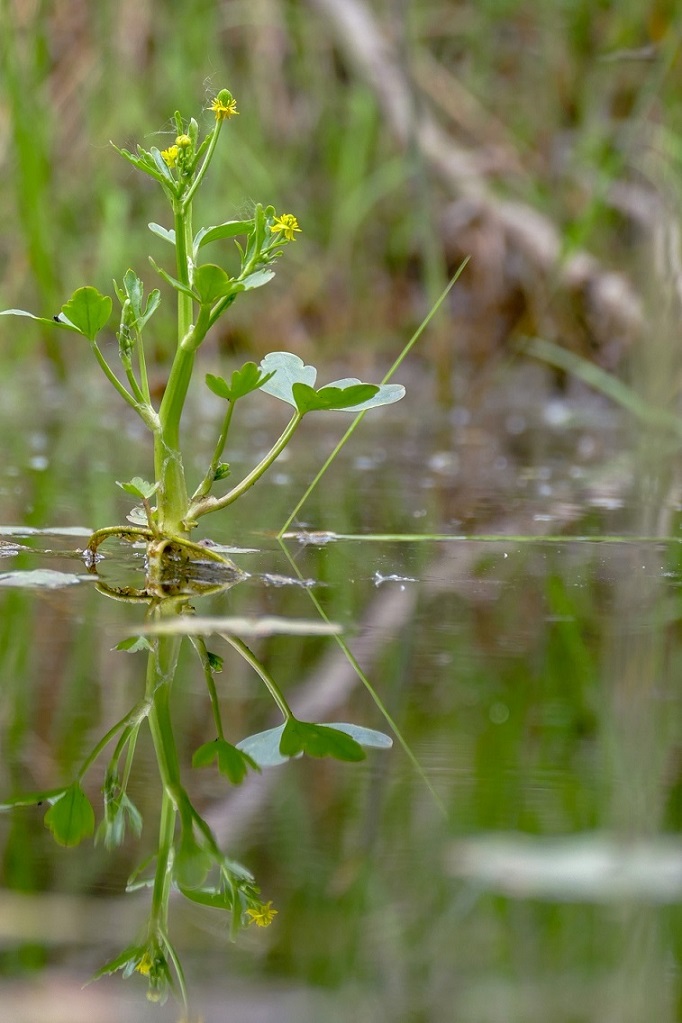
pixel 145 965
pixel 287 224
pixel 262 914
pixel 170 156
pixel 224 106
pixel 183 141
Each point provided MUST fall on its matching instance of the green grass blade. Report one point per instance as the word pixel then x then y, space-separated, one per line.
pixel 356 422
pixel 601 381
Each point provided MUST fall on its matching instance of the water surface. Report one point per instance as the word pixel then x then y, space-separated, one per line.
pixel 511 591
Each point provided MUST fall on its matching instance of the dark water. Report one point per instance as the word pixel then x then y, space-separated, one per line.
pixel 509 582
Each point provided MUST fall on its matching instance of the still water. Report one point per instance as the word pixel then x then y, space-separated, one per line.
pixel 509 583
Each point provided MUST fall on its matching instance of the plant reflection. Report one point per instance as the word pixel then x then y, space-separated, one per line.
pixel 188 859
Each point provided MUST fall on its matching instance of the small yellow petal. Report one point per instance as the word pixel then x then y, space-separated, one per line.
pixel 262 915
pixel 170 156
pixel 224 106
pixel 287 224
pixel 145 964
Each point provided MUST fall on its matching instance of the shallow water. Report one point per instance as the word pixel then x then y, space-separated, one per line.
pixel 513 596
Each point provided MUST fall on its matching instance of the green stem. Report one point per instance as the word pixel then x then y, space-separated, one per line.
pixel 179 972
pixel 172 494
pixel 189 195
pixel 160 673
pixel 269 681
pixel 164 865
pixel 211 504
pixel 199 645
pixel 133 717
pixel 130 755
pixel 111 376
pixel 144 409
pixel 204 487
pixel 142 365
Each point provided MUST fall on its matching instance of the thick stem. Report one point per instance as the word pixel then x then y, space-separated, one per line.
pixel 172 498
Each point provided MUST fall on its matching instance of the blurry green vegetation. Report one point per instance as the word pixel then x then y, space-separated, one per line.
pixel 565 100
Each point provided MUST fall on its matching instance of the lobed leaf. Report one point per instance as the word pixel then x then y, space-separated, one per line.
pixel 386 394
pixel 365 736
pixel 263 747
pixel 232 762
pixel 139 488
pixel 134 644
pixel 211 283
pixel 71 818
pixel 287 370
pixel 349 394
pixel 309 400
pixel 318 741
pixel 245 380
pixel 162 232
pixel 88 311
pixel 341 740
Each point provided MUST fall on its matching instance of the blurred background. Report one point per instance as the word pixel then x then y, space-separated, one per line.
pixel 404 136
pixel 534 670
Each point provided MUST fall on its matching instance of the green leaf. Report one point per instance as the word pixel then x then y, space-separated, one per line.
pixel 162 232
pixel 52 321
pixel 308 399
pixel 177 285
pixel 365 736
pixel 163 168
pixel 230 229
pixel 142 162
pixel 215 661
pixel 212 283
pixel 71 818
pixel 134 290
pixel 219 386
pixel 119 814
pixel 386 394
pixel 139 488
pixel 245 380
pixel 131 956
pixel 191 863
pixel 290 370
pixel 287 370
pixel 233 763
pixel 133 644
pixel 153 303
pixel 257 279
pixel 318 741
pixel 88 311
pixel 214 897
pixel 263 747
